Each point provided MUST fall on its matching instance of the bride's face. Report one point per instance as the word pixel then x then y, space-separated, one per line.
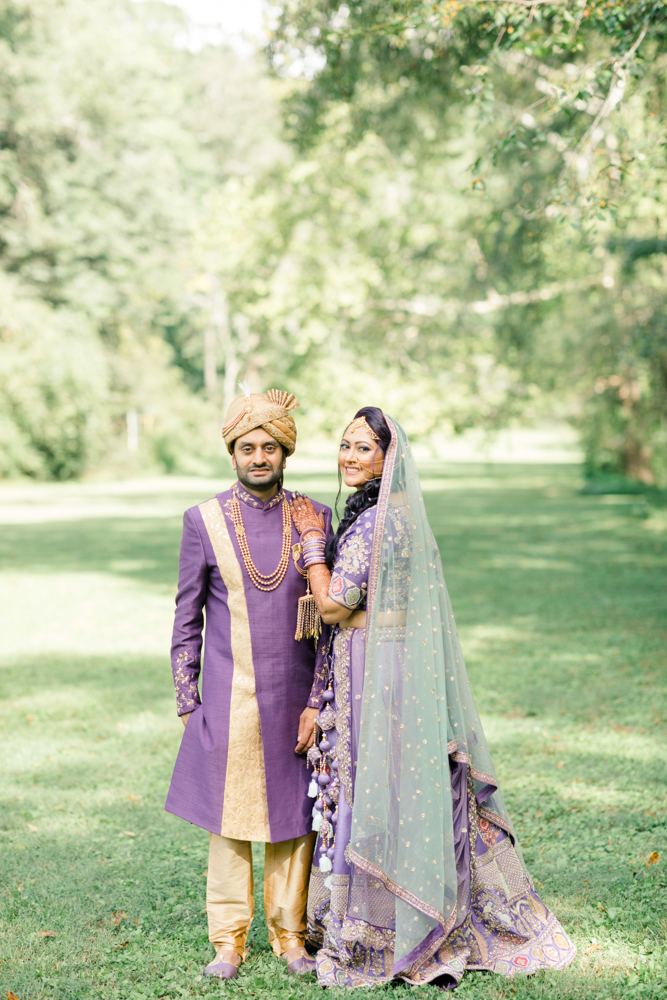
pixel 360 458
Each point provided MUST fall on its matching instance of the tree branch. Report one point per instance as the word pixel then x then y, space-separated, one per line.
pixel 618 67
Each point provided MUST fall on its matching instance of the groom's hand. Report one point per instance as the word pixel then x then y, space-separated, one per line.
pixel 306 735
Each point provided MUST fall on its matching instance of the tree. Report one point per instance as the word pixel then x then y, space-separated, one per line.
pixel 104 164
pixel 561 108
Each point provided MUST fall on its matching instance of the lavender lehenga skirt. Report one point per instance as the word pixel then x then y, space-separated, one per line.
pixel 504 927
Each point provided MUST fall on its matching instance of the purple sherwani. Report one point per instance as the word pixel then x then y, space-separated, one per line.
pixel 257 679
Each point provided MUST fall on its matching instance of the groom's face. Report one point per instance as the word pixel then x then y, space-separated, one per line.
pixel 258 460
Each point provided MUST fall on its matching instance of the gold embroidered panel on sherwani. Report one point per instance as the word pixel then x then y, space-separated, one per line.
pixel 245 813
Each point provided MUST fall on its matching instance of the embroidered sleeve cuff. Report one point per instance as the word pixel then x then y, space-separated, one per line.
pixel 187 699
pixel 344 592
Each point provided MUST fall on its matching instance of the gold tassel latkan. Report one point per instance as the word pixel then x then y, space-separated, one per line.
pixel 308 621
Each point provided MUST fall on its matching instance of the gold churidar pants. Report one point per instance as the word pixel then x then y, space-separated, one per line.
pixel 230 903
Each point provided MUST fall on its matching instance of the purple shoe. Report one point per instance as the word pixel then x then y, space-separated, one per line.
pixel 221 970
pixel 301 966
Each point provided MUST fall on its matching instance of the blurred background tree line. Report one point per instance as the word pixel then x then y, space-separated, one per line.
pixel 455 210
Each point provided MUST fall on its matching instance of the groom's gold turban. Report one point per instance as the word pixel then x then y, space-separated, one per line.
pixel 270 411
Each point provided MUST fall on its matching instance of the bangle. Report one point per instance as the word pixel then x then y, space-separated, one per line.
pixel 314 543
pixel 313 551
pixel 317 546
pixel 314 528
pixel 314 561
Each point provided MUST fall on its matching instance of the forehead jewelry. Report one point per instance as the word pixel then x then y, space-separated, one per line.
pixel 362 422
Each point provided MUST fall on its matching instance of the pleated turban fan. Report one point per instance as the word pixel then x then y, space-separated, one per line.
pixel 271 412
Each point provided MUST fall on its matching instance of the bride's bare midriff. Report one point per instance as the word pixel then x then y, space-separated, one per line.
pixel 356 620
pixel 389 619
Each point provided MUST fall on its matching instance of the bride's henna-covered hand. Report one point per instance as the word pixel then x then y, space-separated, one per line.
pixel 305 516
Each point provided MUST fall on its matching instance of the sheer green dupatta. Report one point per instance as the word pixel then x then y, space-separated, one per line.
pixel 417 713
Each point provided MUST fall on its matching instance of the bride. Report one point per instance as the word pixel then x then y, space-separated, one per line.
pixel 417 874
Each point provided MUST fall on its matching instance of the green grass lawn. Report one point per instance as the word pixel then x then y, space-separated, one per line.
pixel 561 604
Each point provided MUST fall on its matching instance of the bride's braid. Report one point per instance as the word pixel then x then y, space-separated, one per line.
pixel 360 500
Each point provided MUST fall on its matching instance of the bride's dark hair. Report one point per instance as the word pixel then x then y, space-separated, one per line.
pixel 360 500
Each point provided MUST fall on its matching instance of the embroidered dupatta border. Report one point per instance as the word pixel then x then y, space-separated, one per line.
pixel 380 517
pixel 446 923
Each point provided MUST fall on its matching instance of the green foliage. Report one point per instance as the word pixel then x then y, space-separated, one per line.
pixel 104 160
pixel 559 600
pixel 557 112
pixel 466 228
pixel 341 267
pixel 53 381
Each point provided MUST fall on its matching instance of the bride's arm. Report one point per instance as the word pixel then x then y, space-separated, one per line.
pixel 320 581
pixel 305 518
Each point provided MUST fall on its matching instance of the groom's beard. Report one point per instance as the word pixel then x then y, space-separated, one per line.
pixel 251 482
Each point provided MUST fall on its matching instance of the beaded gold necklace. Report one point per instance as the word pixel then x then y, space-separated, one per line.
pixel 264 581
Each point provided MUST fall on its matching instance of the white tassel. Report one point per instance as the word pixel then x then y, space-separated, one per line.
pixel 312 789
pixel 328 882
pixel 245 388
pixel 325 864
pixel 317 821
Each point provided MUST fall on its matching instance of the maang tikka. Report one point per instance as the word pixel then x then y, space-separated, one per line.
pixel 362 422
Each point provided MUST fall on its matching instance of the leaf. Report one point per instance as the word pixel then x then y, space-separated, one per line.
pixel 133 798
pixel 128 833
pixel 121 915
pixel 35 829
pixel 591 948
pixel 44 934
pixel 653 858
pixel 560 764
pixel 11 996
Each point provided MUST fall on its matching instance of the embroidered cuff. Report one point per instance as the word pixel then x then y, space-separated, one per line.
pixel 187 697
pixel 344 592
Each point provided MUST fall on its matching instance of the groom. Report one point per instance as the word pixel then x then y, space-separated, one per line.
pixel 238 773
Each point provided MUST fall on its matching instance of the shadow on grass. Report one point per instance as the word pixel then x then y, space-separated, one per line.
pixel 138 548
pixel 560 603
pixel 142 549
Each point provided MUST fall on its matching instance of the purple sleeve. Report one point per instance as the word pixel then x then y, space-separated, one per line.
pixel 189 620
pixel 349 576
pixel 321 675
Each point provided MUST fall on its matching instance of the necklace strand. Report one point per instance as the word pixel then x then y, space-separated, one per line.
pixel 264 581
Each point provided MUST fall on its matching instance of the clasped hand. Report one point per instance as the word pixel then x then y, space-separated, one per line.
pixel 304 514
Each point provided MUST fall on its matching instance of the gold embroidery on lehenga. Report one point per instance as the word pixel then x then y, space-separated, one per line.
pixel 245 814
pixel 341 664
